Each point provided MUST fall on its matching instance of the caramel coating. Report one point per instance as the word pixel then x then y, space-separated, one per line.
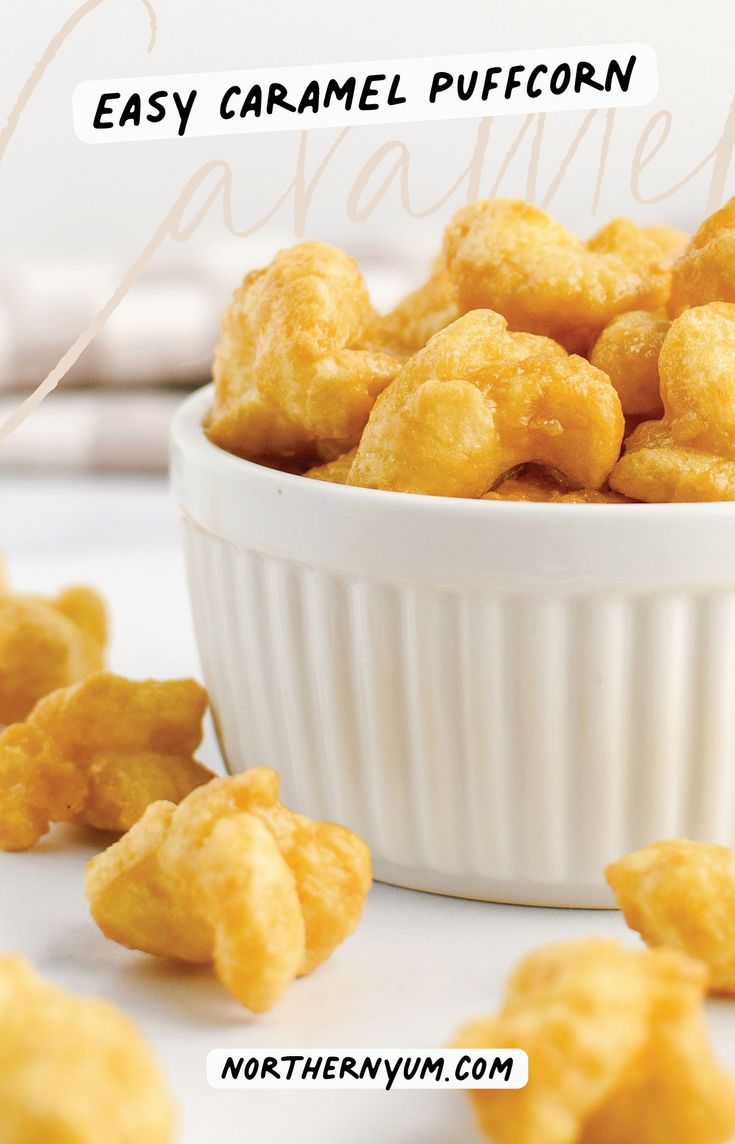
pixel 689 455
pixel 656 469
pixel 535 484
pixel 705 272
pixel 74 1070
pixel 617 1046
pixel 418 316
pixel 38 786
pixel 697 367
pixel 99 752
pixel 476 402
pixel 509 256
pixel 233 877
pixel 45 644
pixel 291 375
pixel 681 894
pixel 627 351
pixel 671 241
pixel 335 472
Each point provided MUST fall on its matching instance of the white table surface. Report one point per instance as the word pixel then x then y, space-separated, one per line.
pixel 416 969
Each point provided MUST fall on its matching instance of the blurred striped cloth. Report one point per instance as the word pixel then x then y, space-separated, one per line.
pixel 113 409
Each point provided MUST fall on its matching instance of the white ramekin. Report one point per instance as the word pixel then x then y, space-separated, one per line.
pixel 499 697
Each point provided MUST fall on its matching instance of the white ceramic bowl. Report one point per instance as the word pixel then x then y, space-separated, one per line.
pixel 499 697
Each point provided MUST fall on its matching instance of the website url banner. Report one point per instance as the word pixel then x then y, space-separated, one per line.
pixel 367 1068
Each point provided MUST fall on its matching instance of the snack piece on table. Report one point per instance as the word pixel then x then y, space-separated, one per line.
pixel 291 374
pixel 99 752
pixel 509 256
pixel 231 876
pixel 689 455
pixel 682 894
pixel 627 351
pixel 534 483
pixel 38 786
pixel 74 1070
pixel 45 644
pixel 335 472
pixel 418 316
pixel 618 1050
pixel 478 401
pixel 705 272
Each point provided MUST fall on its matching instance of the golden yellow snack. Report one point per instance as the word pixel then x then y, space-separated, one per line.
pixel 689 455
pixel 655 469
pixel 627 351
pixel 335 472
pixel 37 786
pixel 418 316
pixel 682 894
pixel 705 272
pixel 535 484
pixel 291 374
pixel 99 752
pixel 509 256
pixel 108 712
pixel 675 1092
pixel 454 409
pixel 671 241
pixel 74 1070
pixel 244 423
pixel 697 368
pixel 618 1051
pixel 233 877
pixel 123 783
pixel 476 402
pixel 45 644
pixel 518 489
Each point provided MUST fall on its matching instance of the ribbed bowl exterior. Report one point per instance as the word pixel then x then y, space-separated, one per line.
pixel 496 744
pixel 494 736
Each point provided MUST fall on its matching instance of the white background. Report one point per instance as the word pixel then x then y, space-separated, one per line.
pixel 59 196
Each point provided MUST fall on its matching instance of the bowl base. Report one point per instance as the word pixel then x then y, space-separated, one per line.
pixel 478 888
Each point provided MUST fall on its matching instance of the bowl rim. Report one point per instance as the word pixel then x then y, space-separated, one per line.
pixel 189 438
